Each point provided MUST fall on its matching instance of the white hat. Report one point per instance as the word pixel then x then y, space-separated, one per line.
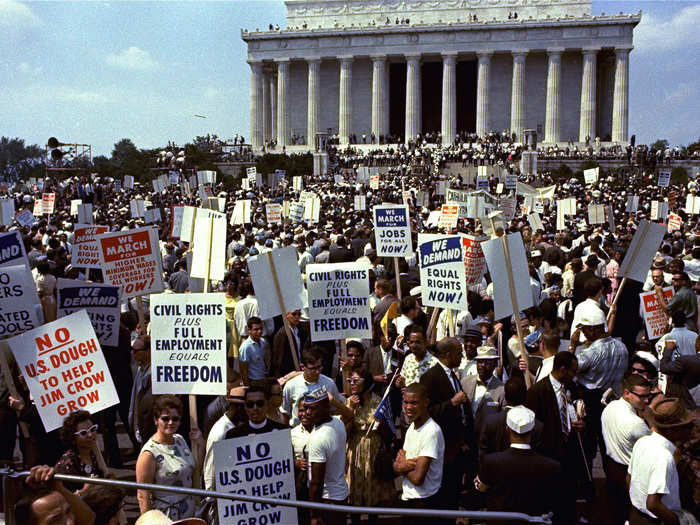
pixel 535 253
pixel 486 352
pixel 520 420
pixel 592 317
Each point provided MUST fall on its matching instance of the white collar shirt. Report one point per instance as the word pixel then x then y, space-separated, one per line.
pixel 622 427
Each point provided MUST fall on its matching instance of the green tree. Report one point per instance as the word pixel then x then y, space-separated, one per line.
pixel 20 160
pixel 660 144
pixel 694 146
pixel 679 175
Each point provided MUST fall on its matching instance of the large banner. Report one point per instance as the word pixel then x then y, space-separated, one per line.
pixel 86 251
pixel 442 273
pixel 131 260
pixel 19 302
pixel 255 465
pixel 392 231
pixel 100 301
pixel 12 250
pixel 655 319
pixel 64 368
pixel 188 343
pixel 339 301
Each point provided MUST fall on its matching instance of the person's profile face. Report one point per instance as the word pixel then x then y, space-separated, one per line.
pixel 53 509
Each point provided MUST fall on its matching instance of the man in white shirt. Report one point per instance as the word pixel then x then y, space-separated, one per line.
pixel 247 308
pixel 622 426
pixel 652 476
pixel 326 449
pixel 420 461
pixel 684 338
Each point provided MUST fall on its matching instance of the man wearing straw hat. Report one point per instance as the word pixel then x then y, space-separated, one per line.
pixel 652 476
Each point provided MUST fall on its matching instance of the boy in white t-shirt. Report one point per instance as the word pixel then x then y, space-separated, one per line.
pixel 326 450
pixel 421 458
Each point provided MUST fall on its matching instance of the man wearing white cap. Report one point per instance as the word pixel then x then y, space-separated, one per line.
pixel 519 479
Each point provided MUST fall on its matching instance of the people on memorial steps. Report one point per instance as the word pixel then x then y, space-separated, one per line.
pixel 581 402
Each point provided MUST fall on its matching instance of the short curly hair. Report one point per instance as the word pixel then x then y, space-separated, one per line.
pixel 164 403
pixel 70 425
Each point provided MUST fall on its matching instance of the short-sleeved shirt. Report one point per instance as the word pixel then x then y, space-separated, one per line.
pixel 684 300
pixel 622 427
pixel 425 441
pixel 412 369
pixel 327 445
pixel 254 354
pixel 653 471
pixel 602 364
pixel 296 387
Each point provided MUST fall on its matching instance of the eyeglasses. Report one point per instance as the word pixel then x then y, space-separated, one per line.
pixel 641 371
pixel 259 403
pixel 169 419
pixel 641 396
pixel 355 380
pixel 84 433
pixel 295 314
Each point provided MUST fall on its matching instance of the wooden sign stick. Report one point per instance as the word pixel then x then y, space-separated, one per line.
pixel 11 386
pixel 287 328
pixel 431 324
pixel 398 278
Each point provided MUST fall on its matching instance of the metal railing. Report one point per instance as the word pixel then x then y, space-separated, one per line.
pixel 12 489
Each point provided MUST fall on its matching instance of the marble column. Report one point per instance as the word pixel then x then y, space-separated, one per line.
pixel 266 131
pixel 517 95
pixel 345 105
pixel 380 97
pixel 588 96
pixel 283 135
pixel 273 105
pixel 551 121
pixel 482 93
pixel 414 106
pixel 449 97
pixel 621 95
pixel 256 104
pixel 313 101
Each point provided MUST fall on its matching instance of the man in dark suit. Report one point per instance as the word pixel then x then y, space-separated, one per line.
pixel 519 479
pixel 551 401
pixel 282 361
pixel 580 278
pixel 450 408
pixel 494 433
pixel 340 252
pixel 384 290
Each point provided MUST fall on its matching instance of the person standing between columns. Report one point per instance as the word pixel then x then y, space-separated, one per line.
pixel 414 108
pixel 256 104
pixel 345 106
pixel 282 110
pixel 587 127
pixel 517 98
pixel 551 123
pixel 380 110
pixel 314 95
pixel 482 93
pixel 621 94
pixel 449 97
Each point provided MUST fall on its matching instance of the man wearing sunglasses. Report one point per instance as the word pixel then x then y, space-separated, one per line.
pixel 622 425
pixel 255 405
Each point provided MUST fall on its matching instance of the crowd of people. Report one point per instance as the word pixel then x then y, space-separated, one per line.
pixel 478 420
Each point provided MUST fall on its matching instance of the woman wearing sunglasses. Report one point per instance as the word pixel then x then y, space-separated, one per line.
pixel 79 433
pixel 166 459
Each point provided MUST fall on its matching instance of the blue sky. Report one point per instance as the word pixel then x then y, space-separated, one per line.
pixel 96 72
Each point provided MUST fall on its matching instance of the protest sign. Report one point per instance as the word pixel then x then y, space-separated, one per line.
pixel 596 214
pixel 273 212
pixel 499 188
pixel 660 211
pixel 7 211
pixel 74 207
pixel 117 185
pixel 459 197
pixel 362 174
pixel 173 178
pixel 591 175
pixel 137 208
pixel 176 220
pixel 86 252
pixel 642 250
pixel 12 250
pixel 241 212
pixel 188 343
pixel 392 231
pixel 64 368
pixel 209 257
pixel 339 301
pixel 441 187
pixel 312 208
pixel 251 172
pixel 163 180
pixel 374 182
pixel 632 204
pixel 692 204
pixel 515 293
pixel 449 215
pixel 474 261
pixel 25 218
pixel 85 213
pixel 511 181
pixel 482 182
pixel 423 199
pixel 442 273
pixel 187 223
pixel 535 222
pixel 38 208
pixel 131 259
pixel 561 219
pixel 655 319
pixel 19 303
pixel 297 183
pixel 296 211
pixel 291 296
pixel 664 178
pixel 152 216
pixel 568 206
pixel 157 187
pixel 546 193
pixel 100 301
pixel 433 218
pixel 674 222
pixel 610 217
pixel 257 465
pixel 538 206
pixel 360 203
pixel 129 182
pixel 508 206
pixel 48 201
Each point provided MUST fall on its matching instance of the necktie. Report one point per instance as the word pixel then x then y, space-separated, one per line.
pixel 564 415
pixel 458 388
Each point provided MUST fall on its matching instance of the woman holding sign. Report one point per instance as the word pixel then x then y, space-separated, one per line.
pixel 166 460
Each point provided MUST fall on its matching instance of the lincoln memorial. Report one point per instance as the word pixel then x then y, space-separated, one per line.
pixel 401 68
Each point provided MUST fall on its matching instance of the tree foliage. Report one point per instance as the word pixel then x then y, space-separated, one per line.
pixel 679 175
pixel 20 160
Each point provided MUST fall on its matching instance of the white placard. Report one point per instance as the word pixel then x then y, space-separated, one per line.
pixel 273 212
pixel 591 176
pixel 339 301
pixel 129 182
pixel 7 212
pixel 100 301
pixel 374 182
pixel 209 257
pixel 176 220
pixel 692 204
pixel 74 207
pixel 642 250
pixel 664 178
pixel 19 303
pixel 442 273
pixel 535 222
pixel 674 222
pixel 152 216
pixel 296 211
pixel 596 214
pixel 655 319
pixel 511 181
pixel 86 252
pixel 85 213
pixel 48 201
pixel 449 215
pixel 360 203
pixel 25 218
pixel 297 183
pixel 312 209
pixel 241 212
pixel 288 276
pixel 188 343
pixel 64 368
pixel 392 231
pixel 632 204
pixel 137 207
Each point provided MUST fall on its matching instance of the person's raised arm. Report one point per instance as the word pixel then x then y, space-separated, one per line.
pixel 43 474
pixel 145 473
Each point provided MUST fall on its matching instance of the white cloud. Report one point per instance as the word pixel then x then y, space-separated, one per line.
pixel 26 68
pixel 132 58
pixel 654 34
pixel 16 17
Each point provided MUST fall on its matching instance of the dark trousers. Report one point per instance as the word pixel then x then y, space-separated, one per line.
pixel 334 518
pixel 616 488
pixel 8 434
pixel 431 502
pixel 637 517
pixel 452 477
